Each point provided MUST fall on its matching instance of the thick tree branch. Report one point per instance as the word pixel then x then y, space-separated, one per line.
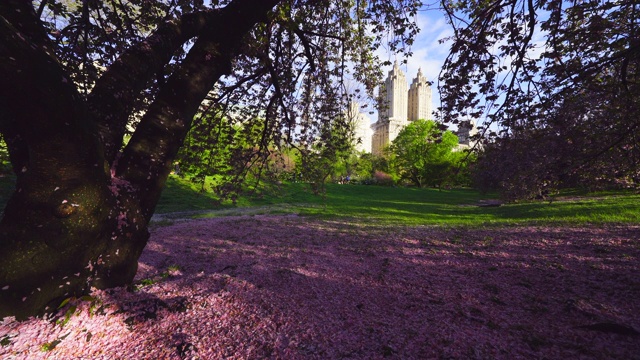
pixel 23 17
pixel 114 95
pixel 43 4
pixel 42 102
pixel 307 47
pixel 146 160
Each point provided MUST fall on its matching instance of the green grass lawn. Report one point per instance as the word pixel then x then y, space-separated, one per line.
pixel 411 206
pixel 377 205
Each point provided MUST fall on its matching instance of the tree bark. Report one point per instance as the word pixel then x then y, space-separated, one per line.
pixel 79 215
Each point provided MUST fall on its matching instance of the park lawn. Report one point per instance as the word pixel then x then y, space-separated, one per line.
pixel 460 207
pixel 377 205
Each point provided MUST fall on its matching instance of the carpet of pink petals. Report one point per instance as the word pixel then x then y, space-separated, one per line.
pixel 287 287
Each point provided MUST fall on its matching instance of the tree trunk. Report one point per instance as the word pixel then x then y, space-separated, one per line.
pixel 58 242
pixel 69 225
pixel 79 215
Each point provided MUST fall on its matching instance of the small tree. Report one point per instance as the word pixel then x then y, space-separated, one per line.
pixel 464 165
pixel 422 153
pixel 325 156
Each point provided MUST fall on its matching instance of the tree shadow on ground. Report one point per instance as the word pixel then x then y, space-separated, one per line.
pixel 296 288
pixel 338 290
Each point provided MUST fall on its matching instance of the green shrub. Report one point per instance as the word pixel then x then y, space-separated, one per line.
pixel 383 179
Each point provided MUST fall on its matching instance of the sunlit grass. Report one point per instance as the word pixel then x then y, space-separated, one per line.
pixel 377 205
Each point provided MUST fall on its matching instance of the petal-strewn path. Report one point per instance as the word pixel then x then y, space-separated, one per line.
pixel 286 287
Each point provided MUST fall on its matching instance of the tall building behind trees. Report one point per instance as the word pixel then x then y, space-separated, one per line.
pixel 392 114
pixel 361 126
pixel 399 105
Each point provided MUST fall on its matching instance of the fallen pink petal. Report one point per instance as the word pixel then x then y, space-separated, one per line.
pixel 288 287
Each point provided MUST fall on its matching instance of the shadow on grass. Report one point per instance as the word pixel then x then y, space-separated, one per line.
pixel 180 195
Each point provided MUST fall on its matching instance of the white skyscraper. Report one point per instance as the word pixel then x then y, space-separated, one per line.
pixel 394 96
pixel 399 106
pixel 392 115
pixel 420 98
pixel 361 127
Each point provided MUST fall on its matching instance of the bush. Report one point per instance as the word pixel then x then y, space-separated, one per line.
pixel 382 178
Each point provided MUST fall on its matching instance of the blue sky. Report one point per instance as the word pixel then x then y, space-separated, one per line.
pixel 428 53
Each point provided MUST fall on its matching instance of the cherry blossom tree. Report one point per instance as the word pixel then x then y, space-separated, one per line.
pixel 558 85
pixel 97 98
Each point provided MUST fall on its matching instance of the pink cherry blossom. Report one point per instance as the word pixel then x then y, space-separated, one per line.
pixel 288 287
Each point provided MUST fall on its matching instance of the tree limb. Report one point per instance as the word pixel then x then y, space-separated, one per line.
pixel 146 161
pixel 132 73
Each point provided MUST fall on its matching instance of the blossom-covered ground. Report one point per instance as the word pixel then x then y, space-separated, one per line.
pixel 286 287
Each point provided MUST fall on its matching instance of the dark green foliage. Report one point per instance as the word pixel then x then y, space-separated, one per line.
pixel 368 169
pixel 328 156
pixel 227 157
pixel 363 168
pixel 5 162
